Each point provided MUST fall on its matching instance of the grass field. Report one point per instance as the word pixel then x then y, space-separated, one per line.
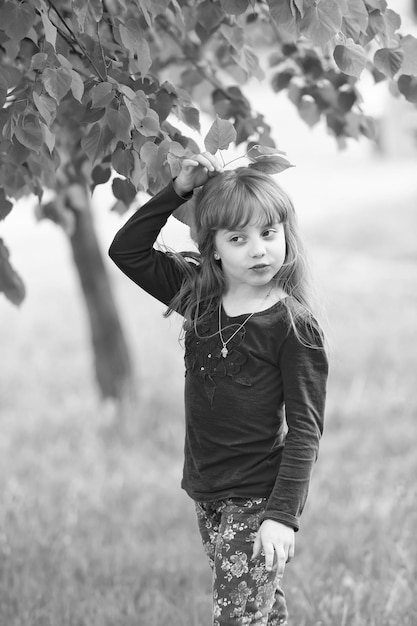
pixel 94 529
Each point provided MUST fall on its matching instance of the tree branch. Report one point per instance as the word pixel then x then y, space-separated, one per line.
pixel 101 50
pixel 74 40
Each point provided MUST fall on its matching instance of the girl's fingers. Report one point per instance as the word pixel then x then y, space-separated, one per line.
pixel 281 560
pixel 269 556
pixel 256 546
pixel 190 163
pixel 270 551
pixel 209 161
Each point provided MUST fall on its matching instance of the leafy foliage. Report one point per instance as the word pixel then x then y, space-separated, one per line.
pixel 87 86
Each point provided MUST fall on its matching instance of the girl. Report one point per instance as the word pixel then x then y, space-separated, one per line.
pixel 256 373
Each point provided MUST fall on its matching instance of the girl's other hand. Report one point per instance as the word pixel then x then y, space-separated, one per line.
pixel 275 538
pixel 196 171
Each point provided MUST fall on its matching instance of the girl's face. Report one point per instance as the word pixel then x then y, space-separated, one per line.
pixel 251 255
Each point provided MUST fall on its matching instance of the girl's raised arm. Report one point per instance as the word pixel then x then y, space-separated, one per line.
pixel 133 246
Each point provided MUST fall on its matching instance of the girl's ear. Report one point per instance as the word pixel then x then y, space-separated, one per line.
pixel 216 256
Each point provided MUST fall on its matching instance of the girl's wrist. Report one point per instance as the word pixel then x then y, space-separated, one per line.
pixel 180 190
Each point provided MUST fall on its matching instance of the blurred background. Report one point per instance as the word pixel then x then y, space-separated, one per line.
pixel 94 528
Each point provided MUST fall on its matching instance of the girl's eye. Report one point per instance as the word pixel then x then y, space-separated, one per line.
pixel 236 239
pixel 269 232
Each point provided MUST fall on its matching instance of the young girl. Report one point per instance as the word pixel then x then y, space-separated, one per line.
pixel 256 373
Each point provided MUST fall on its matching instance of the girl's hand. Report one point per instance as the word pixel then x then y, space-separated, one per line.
pixel 196 171
pixel 275 538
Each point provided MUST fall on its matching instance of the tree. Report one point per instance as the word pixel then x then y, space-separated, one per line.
pixel 88 87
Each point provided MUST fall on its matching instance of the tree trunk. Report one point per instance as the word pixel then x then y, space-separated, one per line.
pixel 113 367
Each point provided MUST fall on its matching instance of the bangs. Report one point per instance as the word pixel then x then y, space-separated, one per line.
pixel 244 202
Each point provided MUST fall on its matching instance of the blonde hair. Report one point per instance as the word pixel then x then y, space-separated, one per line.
pixel 227 201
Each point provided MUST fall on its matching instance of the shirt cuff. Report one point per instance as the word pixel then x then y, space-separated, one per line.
pixel 283 518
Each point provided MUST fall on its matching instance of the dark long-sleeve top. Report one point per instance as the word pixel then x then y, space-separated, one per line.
pixel 253 420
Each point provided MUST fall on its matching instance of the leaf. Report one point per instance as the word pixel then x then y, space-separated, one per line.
pixel 149 155
pixel 123 190
pixel 149 125
pixel 409 50
pixel 77 85
pixel 46 107
pixel 162 104
pixel 220 135
pixel 209 15
pixel 188 115
pixel 383 27
pixel 355 19
pixel 137 107
pixel 133 39
pixel 102 94
pixel 350 58
pixel 258 150
pixel 392 22
pixel 379 5
pixel 308 110
pixel 10 282
pixel 87 12
pixel 38 61
pixel 281 80
pixel 29 133
pixel 190 78
pixel 94 142
pixel 321 22
pixel 57 82
pixel 146 6
pixel 17 20
pixel 139 175
pixel 368 127
pixel 388 61
pixel 283 15
pixel 122 161
pixel 270 164
pixel 92 115
pixel 3 92
pixel 127 91
pixel 17 153
pixel 407 86
pixel 143 62
pixel 119 123
pixel 248 61
pixel 48 137
pixel 119 207
pixel 5 205
pixel 234 7
pixel 100 175
pixel 49 29
pixel 346 98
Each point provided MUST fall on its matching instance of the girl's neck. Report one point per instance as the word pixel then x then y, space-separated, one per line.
pixel 243 300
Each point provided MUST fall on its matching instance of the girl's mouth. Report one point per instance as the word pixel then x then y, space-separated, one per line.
pixel 262 267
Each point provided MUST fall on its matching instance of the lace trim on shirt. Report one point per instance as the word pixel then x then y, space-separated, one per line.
pixel 203 357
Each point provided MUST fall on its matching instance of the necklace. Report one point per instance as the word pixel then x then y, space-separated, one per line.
pixel 224 351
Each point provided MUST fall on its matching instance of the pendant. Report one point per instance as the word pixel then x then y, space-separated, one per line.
pixel 224 352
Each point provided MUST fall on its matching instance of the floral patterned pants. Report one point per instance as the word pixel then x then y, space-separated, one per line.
pixel 244 592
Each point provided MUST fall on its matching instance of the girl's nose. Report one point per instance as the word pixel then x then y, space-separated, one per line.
pixel 257 248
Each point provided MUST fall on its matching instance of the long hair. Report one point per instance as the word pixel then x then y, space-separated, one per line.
pixel 229 201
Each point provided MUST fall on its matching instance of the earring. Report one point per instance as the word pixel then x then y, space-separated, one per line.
pixel 216 256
